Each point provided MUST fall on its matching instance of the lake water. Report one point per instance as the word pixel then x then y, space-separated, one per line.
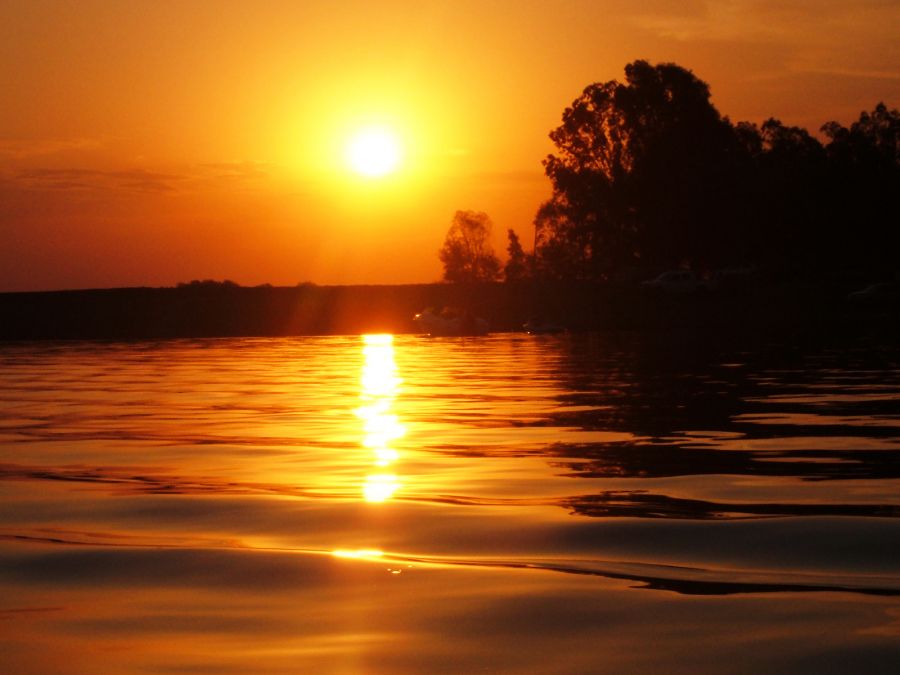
pixel 561 504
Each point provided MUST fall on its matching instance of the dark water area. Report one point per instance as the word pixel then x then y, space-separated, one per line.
pixel 601 502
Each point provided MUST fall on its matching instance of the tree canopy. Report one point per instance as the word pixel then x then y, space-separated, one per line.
pixel 467 254
pixel 517 262
pixel 648 173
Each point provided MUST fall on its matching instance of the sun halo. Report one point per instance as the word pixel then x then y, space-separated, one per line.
pixel 373 152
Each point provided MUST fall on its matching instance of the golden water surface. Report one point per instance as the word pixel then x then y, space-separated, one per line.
pixel 396 504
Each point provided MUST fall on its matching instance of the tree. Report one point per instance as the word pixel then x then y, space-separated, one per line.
pixel 861 194
pixel 467 255
pixel 647 173
pixel 873 140
pixel 791 236
pixel 643 173
pixel 516 268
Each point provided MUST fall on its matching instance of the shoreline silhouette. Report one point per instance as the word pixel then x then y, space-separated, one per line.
pixel 211 309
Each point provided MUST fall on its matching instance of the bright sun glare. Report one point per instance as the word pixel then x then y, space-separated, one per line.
pixel 373 152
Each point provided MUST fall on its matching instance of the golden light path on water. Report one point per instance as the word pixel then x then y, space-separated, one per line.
pixel 379 386
pixel 507 504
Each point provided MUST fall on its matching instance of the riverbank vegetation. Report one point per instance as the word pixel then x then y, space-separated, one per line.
pixel 228 310
pixel 648 175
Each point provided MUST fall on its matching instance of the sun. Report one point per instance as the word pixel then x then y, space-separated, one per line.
pixel 373 152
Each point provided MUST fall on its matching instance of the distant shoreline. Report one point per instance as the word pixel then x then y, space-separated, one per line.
pixel 235 311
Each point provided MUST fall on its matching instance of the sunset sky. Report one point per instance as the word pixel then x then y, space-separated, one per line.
pixel 147 143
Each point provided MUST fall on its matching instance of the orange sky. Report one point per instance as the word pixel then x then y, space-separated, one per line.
pixel 147 143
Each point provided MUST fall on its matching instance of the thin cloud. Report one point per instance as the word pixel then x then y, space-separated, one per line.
pixel 805 37
pixel 137 180
pixel 246 170
pixel 853 73
pixel 521 178
pixel 754 20
pixel 24 149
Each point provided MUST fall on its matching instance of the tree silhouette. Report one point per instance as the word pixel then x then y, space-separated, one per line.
pixel 647 173
pixel 874 139
pixel 861 193
pixel 467 255
pixel 786 182
pixel 643 173
pixel 516 268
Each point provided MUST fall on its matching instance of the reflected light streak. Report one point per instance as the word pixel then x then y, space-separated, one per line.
pixel 380 487
pixel 379 387
pixel 384 456
pixel 357 553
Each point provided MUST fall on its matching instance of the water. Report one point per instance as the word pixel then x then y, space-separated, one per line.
pixel 559 504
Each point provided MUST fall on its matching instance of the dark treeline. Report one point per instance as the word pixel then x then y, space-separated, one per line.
pixel 224 309
pixel 210 309
pixel 648 175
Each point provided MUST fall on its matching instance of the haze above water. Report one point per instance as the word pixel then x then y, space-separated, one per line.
pixel 566 504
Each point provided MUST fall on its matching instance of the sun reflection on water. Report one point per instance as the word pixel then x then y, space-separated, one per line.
pixel 358 553
pixel 380 385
